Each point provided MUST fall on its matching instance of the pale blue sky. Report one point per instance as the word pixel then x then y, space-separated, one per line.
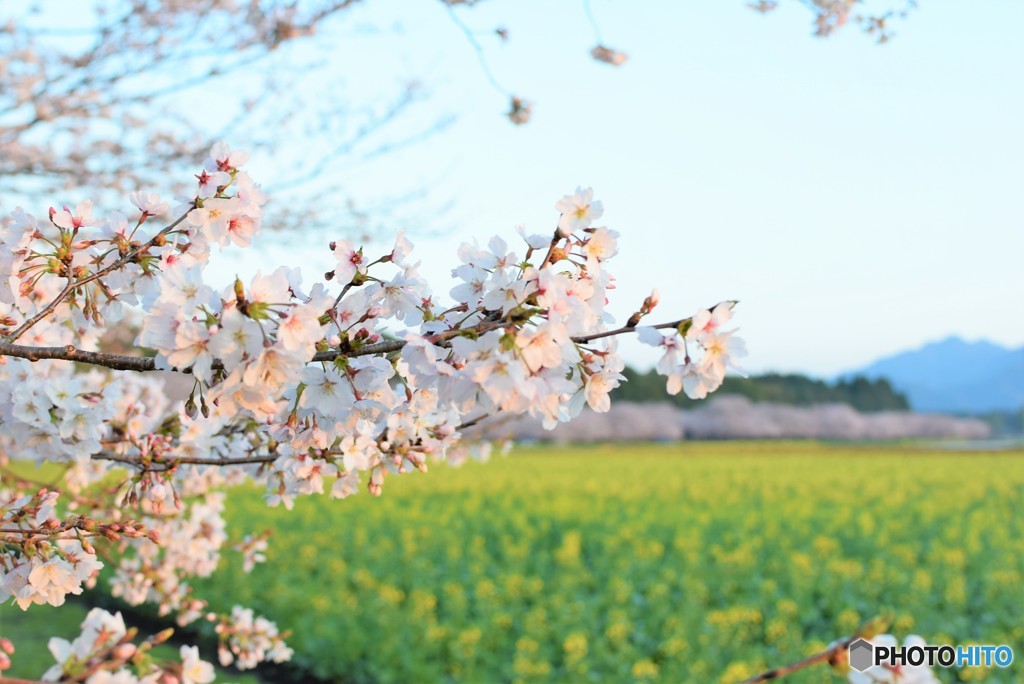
pixel 858 199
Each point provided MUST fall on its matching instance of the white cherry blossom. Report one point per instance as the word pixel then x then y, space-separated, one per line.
pixel 578 211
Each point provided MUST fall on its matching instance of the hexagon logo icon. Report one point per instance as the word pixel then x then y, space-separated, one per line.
pixel 861 655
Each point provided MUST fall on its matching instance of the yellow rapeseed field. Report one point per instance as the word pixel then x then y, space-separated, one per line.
pixel 696 562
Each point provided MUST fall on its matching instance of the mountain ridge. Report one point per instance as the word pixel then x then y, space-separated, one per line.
pixel 953 375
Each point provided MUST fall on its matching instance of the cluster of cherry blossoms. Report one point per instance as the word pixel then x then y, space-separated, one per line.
pixel 47 565
pixel 105 653
pixel 702 335
pixel 316 388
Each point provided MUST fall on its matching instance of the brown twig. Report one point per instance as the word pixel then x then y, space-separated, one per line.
pixel 830 656
pixel 583 339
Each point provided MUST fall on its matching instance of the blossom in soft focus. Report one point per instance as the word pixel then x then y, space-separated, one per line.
pixel 100 631
pixel 578 211
pixel 194 670
pixel 520 111
pixel 609 56
pixel 149 203
pixel 709 321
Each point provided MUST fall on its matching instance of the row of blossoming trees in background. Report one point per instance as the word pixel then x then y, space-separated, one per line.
pixel 351 380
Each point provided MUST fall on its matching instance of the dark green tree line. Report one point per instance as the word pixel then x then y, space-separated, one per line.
pixel 799 390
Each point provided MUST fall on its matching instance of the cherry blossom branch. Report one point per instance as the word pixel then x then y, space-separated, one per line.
pixel 297 408
pixel 247 460
pixel 73 286
pixel 145 364
pixel 71 353
pixel 583 339
pixel 82 527
pixel 187 460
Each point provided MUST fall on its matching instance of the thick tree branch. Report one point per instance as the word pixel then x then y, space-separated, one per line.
pixel 146 364
pixel 72 353
pixel 188 460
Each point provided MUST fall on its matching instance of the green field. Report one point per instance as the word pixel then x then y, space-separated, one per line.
pixel 699 562
pixel 688 563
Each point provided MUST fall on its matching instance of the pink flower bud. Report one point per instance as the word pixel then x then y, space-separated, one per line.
pixel 124 651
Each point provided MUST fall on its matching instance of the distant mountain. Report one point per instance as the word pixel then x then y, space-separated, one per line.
pixel 955 376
